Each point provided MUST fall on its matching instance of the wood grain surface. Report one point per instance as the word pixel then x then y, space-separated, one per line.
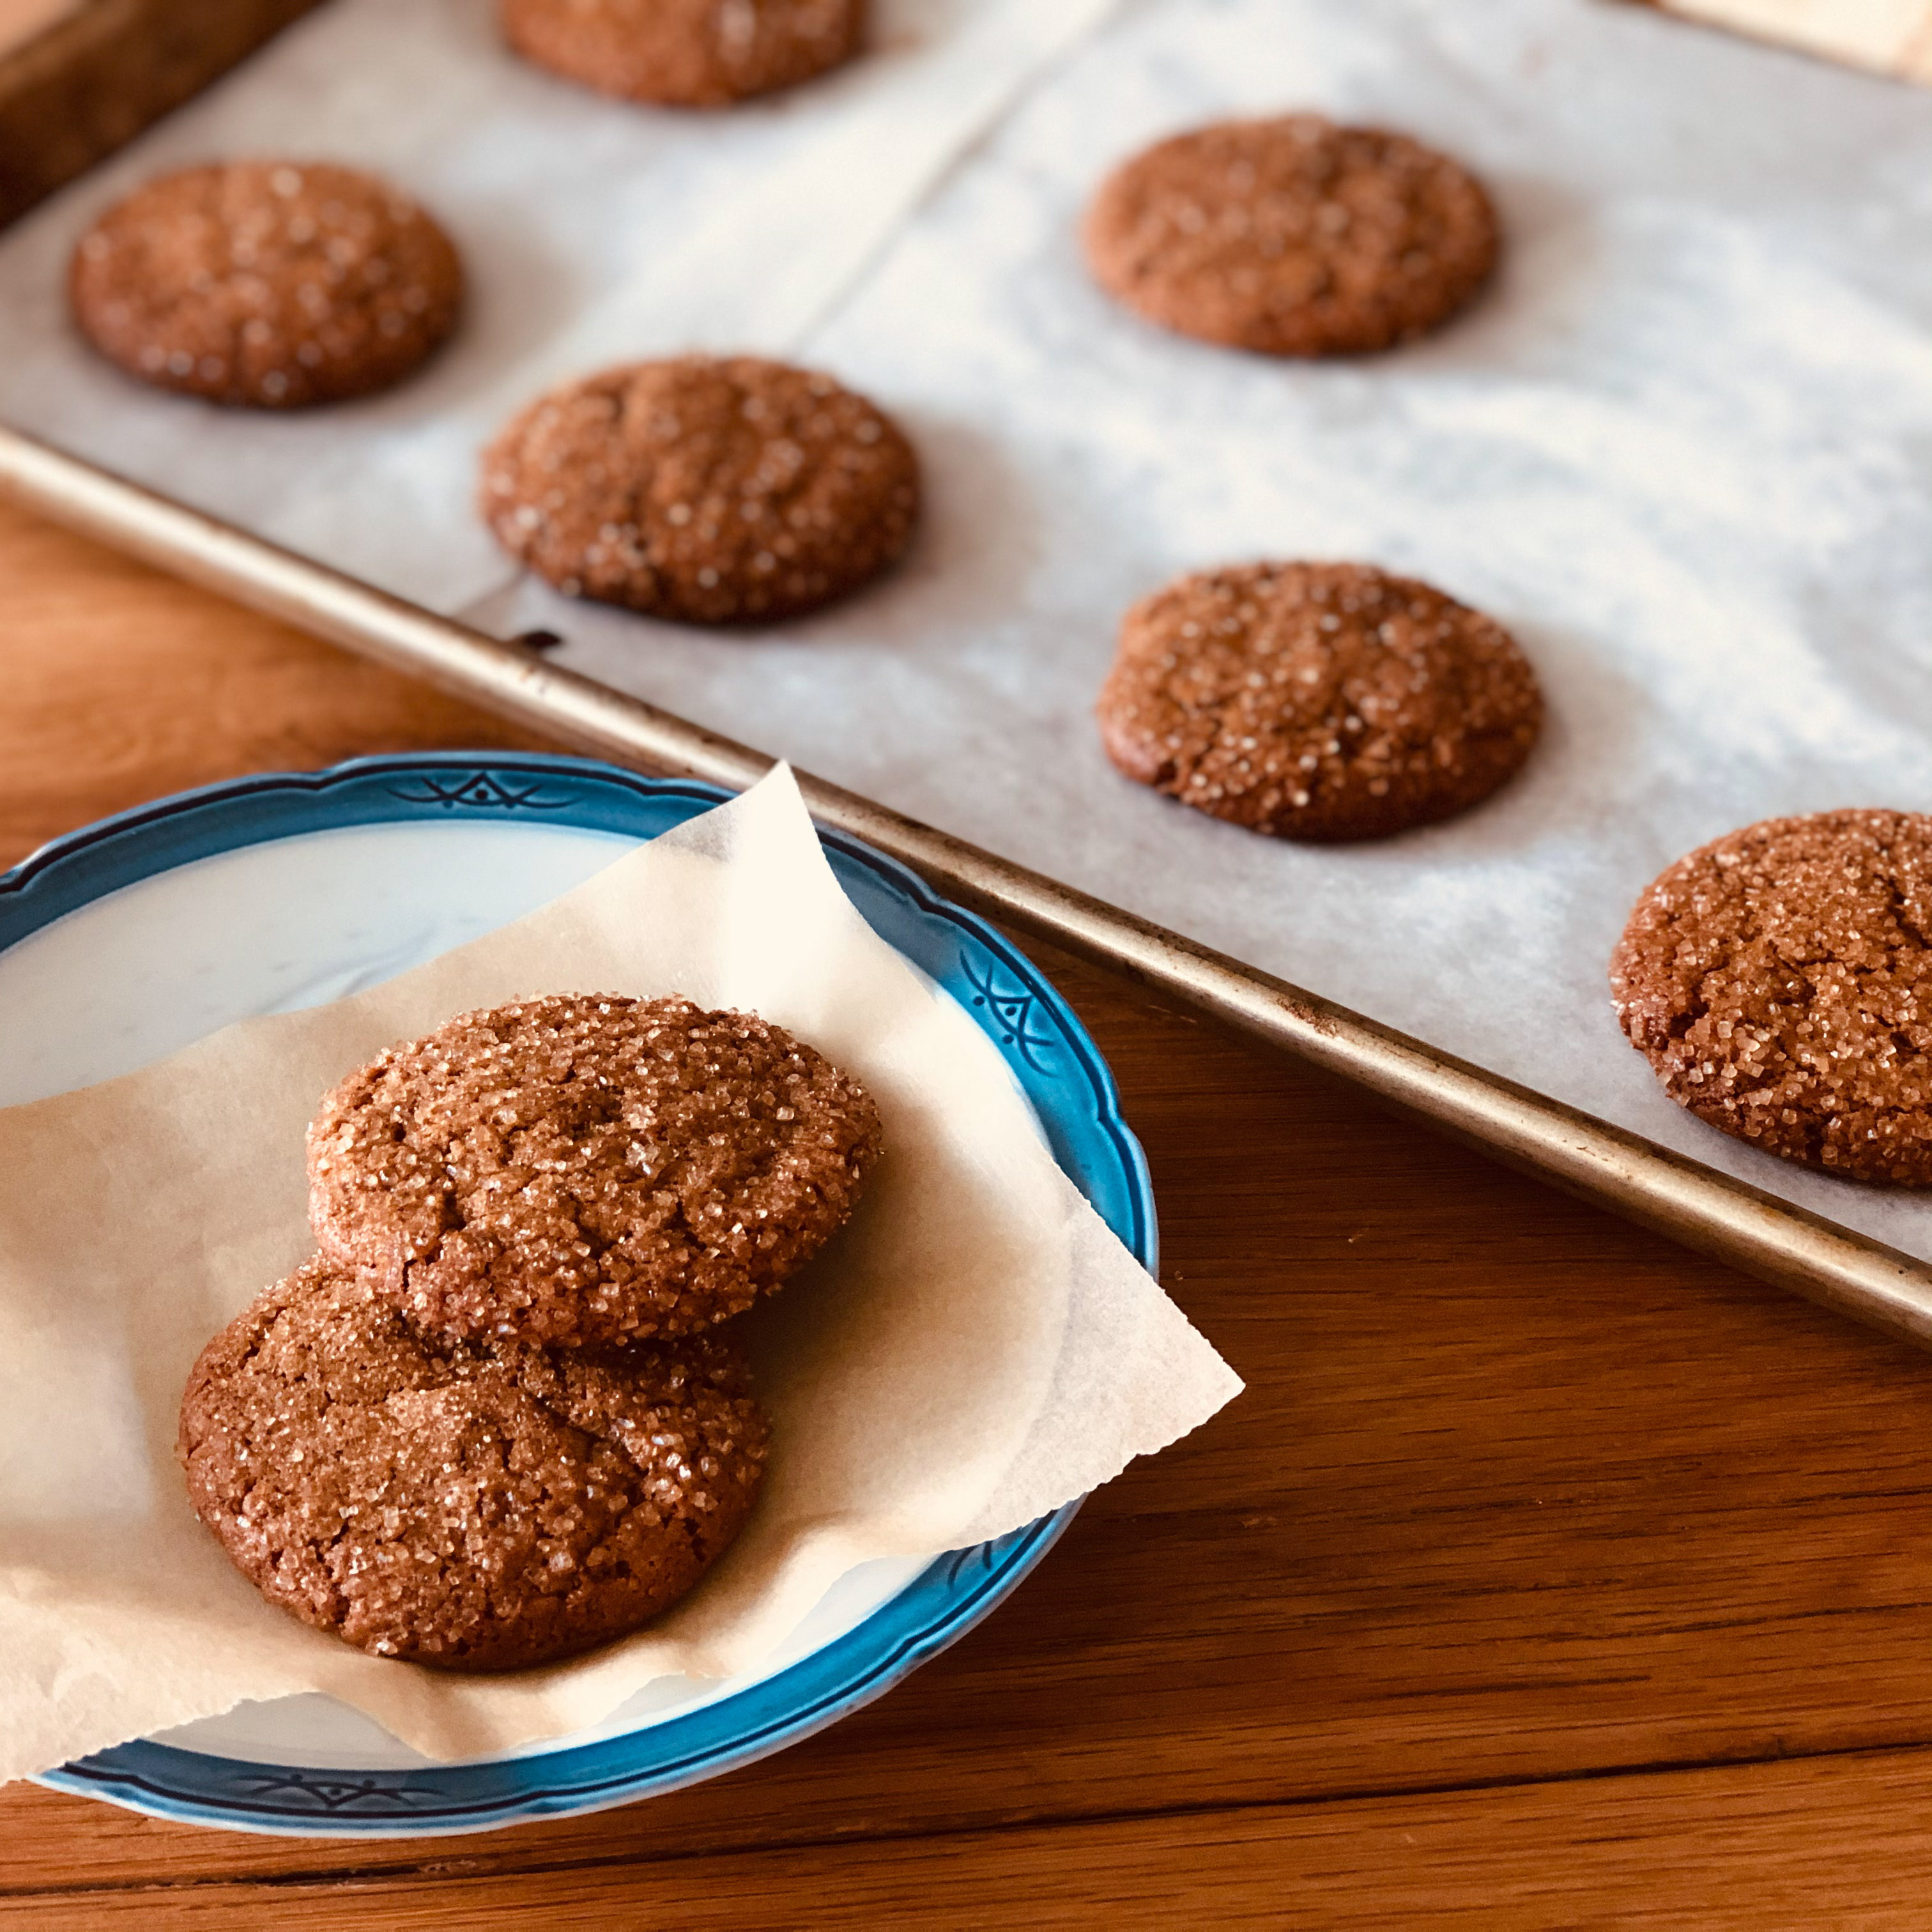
pixel 80 78
pixel 1545 1576
pixel 21 20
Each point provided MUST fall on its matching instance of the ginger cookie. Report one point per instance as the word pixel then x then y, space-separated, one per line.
pixel 1780 981
pixel 1293 236
pixel 479 1507
pixel 686 53
pixel 712 490
pixel 576 1170
pixel 272 284
pixel 1319 701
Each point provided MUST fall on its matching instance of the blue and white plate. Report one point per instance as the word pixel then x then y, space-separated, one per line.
pixel 134 936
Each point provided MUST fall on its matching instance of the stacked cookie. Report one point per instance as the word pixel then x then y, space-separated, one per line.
pixel 505 1414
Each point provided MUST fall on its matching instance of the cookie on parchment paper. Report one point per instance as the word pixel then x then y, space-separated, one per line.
pixel 686 53
pixel 482 1507
pixel 578 1170
pixel 1317 701
pixel 1780 981
pixel 710 490
pixel 271 284
pixel 1293 236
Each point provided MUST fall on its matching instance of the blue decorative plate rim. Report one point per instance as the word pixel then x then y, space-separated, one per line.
pixel 1052 1056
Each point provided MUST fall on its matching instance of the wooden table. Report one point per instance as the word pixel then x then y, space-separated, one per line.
pixel 1545 1576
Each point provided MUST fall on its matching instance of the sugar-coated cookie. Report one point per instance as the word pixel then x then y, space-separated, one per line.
pixel 474 1507
pixel 1317 701
pixel 1293 236
pixel 273 284
pixel 1780 981
pixel 711 489
pixel 582 1170
pixel 686 53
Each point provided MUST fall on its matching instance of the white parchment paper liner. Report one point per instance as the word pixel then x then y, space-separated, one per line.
pixel 592 231
pixel 974 1349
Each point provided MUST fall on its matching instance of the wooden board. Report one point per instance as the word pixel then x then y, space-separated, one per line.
pixel 1546 1575
pixel 80 78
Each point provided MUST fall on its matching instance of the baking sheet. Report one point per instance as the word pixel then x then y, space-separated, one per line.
pixel 1681 450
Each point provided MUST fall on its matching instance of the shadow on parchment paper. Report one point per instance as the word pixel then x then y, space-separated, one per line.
pixel 1546 288
pixel 1589 753
pixel 975 550
pixel 1881 592
pixel 1588 763
pixel 520 296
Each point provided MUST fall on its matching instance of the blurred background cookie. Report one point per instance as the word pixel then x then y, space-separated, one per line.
pixel 686 53
pixel 275 284
pixel 1293 236
pixel 480 1508
pixel 576 1170
pixel 1780 981
pixel 715 490
pixel 1320 701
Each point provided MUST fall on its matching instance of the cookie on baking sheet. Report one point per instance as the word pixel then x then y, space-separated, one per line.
pixel 274 284
pixel 476 1508
pixel 1293 236
pixel 1319 701
pixel 686 53
pixel 715 490
pixel 1780 981
pixel 576 1170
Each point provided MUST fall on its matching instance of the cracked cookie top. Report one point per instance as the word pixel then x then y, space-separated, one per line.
pixel 1293 236
pixel 271 285
pixel 686 53
pixel 711 489
pixel 1780 981
pixel 581 1170
pixel 1319 701
pixel 473 1507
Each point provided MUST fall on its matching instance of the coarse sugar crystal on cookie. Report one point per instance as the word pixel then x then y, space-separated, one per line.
pixel 1293 236
pixel 686 53
pixel 1317 701
pixel 577 1170
pixel 480 1506
pixel 712 490
pixel 1780 981
pixel 271 284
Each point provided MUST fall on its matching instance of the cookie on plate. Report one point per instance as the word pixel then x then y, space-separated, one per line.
pixel 1317 701
pixel 1780 981
pixel 475 1508
pixel 272 284
pixel 581 1170
pixel 1293 236
pixel 686 53
pixel 715 490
